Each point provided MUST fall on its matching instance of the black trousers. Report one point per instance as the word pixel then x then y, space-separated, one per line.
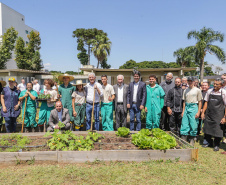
pixel 175 120
pixel 164 124
pixel 216 140
pixel 120 116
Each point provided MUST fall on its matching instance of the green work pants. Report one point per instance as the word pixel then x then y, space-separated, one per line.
pixel 30 116
pixel 107 116
pixel 190 124
pixel 80 109
pixel 44 114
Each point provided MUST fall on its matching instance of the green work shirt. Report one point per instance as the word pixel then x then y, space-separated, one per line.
pixel 66 93
pixel 30 102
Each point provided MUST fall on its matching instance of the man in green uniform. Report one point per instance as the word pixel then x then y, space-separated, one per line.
pixel 65 91
pixel 30 113
pixel 107 105
pixel 191 111
pixel 154 103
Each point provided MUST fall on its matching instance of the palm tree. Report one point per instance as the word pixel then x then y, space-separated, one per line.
pixel 205 37
pixel 184 58
pixel 101 48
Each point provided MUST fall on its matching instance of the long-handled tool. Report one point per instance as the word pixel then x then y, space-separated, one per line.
pixel 93 110
pixel 25 105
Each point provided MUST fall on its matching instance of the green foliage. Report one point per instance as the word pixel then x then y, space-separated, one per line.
pixel 184 57
pixel 61 125
pixel 123 132
pixel 7 46
pixel 105 65
pixel 94 136
pixel 68 141
pixel 205 37
pixel 43 96
pixel 95 39
pixel 28 57
pixel 15 140
pixel 155 139
pixel 148 64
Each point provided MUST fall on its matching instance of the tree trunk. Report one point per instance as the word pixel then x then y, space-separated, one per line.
pixel 98 64
pixel 89 54
pixel 201 69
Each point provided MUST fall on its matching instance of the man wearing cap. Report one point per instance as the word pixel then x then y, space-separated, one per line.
pixel 166 85
pixel 79 105
pixel 22 85
pixel 175 106
pixel 89 89
pixel 30 112
pixel 65 91
pixel 10 105
pixel 107 105
pixel 121 90
pixel 214 107
pixel 191 111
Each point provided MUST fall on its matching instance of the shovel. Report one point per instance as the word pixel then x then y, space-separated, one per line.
pixel 93 112
pixel 25 105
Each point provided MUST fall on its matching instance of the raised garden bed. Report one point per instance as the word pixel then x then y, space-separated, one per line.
pixel 109 148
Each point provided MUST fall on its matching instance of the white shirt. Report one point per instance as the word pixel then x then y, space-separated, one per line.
pixel 135 88
pixel 193 95
pixel 22 87
pixel 90 90
pixel 211 91
pixel 107 91
pixel 79 97
pixel 120 94
pixel 36 87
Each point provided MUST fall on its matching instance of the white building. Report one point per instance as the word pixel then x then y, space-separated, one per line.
pixel 11 18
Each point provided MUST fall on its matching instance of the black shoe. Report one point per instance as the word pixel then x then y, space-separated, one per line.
pixel 205 146
pixel 216 148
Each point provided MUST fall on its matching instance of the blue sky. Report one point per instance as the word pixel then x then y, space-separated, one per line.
pixel 139 30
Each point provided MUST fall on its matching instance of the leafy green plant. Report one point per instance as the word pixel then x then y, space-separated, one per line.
pixel 94 136
pixel 14 141
pixel 155 139
pixel 123 132
pixel 68 141
pixel 43 96
pixel 61 125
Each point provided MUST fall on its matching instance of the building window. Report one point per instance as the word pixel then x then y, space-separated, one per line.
pixel 26 42
pixel 22 19
pixel 26 31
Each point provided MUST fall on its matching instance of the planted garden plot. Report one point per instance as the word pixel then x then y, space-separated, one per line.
pixel 89 146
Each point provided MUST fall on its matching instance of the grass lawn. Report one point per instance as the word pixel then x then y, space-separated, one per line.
pixel 209 169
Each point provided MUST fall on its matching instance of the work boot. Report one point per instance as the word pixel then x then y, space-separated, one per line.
pixel 26 130
pixel 216 149
pixel 192 140
pixel 184 137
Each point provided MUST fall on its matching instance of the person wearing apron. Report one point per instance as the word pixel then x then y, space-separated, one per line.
pixel 65 91
pixel 214 115
pixel 191 111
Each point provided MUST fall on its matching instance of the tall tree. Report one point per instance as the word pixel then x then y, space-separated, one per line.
pixel 105 65
pixel 101 48
pixel 205 37
pixel 183 57
pixel 7 46
pixel 85 38
pixel 28 57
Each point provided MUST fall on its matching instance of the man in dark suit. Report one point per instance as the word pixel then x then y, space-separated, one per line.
pixel 136 100
pixel 120 100
pixel 59 114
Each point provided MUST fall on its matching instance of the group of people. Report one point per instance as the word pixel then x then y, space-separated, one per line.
pixel 179 106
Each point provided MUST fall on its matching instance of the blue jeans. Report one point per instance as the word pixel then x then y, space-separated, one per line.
pixel 132 111
pixel 89 114
pixel 10 124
